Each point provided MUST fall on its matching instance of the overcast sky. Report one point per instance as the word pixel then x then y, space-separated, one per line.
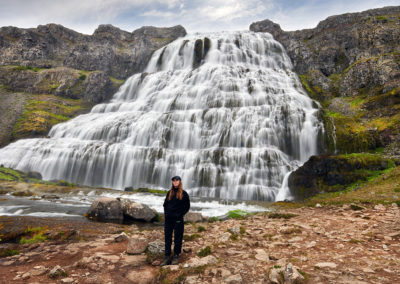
pixel 196 16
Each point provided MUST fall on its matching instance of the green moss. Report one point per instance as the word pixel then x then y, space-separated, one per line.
pixel 237 214
pixel 82 77
pixel 44 111
pixel 277 215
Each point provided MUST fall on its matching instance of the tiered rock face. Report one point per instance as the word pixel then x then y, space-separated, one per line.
pixel 354 56
pixel 54 60
pixel 115 52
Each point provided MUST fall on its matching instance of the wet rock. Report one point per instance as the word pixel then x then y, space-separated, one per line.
pixel 105 208
pixel 137 210
pixel 136 245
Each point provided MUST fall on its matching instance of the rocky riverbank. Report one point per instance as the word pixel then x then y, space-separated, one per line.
pixel 332 244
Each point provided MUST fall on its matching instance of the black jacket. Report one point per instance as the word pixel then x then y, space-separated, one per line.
pixel 175 208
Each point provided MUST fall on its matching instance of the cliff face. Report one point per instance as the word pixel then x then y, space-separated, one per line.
pixel 350 63
pixel 50 74
pixel 115 52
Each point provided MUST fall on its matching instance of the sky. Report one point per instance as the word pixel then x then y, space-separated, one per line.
pixel 196 16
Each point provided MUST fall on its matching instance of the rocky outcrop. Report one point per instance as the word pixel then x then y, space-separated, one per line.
pixel 92 87
pixel 334 173
pixel 355 56
pixel 119 209
pixel 115 52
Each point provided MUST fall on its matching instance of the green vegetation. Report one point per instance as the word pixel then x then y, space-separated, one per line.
pixel 41 113
pixel 9 252
pixel 21 68
pixel 36 233
pixel 148 190
pixel 201 229
pixel 277 215
pixel 191 237
pixel 204 251
pixel 238 214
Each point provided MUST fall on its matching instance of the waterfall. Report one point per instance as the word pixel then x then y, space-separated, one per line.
pixel 223 110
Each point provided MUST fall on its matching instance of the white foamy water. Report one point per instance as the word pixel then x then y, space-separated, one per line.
pixel 229 117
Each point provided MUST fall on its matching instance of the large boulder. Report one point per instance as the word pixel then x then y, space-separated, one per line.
pixel 137 210
pixel 194 217
pixel 105 209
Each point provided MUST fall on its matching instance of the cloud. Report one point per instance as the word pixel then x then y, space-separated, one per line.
pixel 206 15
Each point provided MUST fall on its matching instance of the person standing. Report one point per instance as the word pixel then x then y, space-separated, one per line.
pixel 176 205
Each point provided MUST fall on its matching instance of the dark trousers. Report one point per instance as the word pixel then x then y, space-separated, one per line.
pixel 176 226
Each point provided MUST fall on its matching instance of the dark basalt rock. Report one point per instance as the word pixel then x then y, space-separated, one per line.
pixel 327 173
pixel 116 52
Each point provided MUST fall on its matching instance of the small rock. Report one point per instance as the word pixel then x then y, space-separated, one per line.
pixel 192 280
pixel 235 230
pixel 187 250
pixel 26 276
pixel 368 270
pixel 326 265
pixel 196 261
pixel 136 245
pixel 67 280
pixel 224 237
pixel 380 207
pixel 261 255
pixel 318 205
pixel 121 237
pixel 234 279
pixel 311 244
pixel 57 271
pixel 156 247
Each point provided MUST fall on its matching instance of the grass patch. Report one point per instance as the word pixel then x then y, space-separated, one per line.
pixel 204 251
pixel 191 237
pixel 277 215
pixel 201 229
pixel 38 238
pixel 9 252
pixel 41 113
pixel 238 214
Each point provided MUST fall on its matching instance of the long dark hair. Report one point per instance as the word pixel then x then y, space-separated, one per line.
pixel 179 194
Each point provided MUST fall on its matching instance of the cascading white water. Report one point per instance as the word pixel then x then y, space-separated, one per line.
pixel 222 110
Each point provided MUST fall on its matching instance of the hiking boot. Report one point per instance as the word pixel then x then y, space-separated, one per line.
pixel 166 261
pixel 175 260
